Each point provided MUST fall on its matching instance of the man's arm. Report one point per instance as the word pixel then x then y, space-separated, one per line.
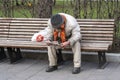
pixel 46 34
pixel 76 35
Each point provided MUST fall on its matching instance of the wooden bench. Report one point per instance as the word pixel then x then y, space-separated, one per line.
pixel 97 36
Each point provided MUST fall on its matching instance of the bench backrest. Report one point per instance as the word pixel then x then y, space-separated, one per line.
pixel 4 27
pixel 91 29
pixel 24 28
pixel 97 29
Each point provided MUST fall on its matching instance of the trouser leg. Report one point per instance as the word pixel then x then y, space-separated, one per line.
pixel 52 56
pixel 77 54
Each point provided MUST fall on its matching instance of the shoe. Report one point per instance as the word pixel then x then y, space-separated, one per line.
pixel 76 70
pixel 51 68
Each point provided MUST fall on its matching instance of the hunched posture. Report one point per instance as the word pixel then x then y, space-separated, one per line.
pixel 64 29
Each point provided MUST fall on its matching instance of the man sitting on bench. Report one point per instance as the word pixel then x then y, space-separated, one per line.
pixel 64 29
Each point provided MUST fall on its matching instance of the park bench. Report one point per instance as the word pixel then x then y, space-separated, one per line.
pixel 97 36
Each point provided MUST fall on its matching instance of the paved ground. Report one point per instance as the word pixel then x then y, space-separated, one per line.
pixel 29 69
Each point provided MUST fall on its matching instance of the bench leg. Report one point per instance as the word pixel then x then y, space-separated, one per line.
pixel 2 53
pixel 102 60
pixel 14 54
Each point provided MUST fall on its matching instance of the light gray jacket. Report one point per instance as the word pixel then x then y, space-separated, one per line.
pixel 71 28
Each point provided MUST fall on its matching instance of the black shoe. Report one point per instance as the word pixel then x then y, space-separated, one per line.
pixel 51 68
pixel 76 70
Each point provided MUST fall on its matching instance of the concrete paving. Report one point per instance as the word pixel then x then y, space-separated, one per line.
pixel 32 69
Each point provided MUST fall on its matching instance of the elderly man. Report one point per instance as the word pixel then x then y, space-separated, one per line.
pixel 65 29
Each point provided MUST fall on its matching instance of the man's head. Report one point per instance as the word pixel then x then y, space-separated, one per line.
pixel 56 21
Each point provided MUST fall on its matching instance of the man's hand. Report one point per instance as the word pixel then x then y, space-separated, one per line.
pixel 39 38
pixel 64 44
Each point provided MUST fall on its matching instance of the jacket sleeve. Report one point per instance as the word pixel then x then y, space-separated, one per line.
pixel 47 33
pixel 76 35
pixel 34 36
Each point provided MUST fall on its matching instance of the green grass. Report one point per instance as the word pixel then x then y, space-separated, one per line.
pixel 22 13
pixel 62 7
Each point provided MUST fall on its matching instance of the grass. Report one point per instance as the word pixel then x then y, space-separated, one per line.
pixel 22 12
pixel 60 7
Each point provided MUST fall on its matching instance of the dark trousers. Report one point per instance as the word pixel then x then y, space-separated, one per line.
pixel 59 56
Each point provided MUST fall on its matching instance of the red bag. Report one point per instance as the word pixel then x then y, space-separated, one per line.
pixel 39 38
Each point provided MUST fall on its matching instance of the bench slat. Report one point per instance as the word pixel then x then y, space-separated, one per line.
pixel 95 32
pixel 35 19
pixel 97 23
pixel 25 24
pixel 98 35
pixel 97 26
pixel 30 44
pixel 37 22
pixel 98 29
pixel 95 20
pixel 97 38
pixel 42 27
